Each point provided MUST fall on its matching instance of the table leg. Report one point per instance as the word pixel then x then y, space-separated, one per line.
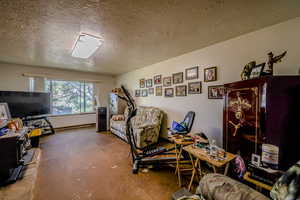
pixel 226 169
pixel 194 171
pixel 215 169
pixel 176 152
pixel 178 165
pixel 199 171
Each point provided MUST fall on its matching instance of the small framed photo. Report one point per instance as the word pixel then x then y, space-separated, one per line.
pixel 215 92
pixel 192 73
pixel 4 112
pixel 178 78
pixel 180 90
pixel 169 92
pixel 210 74
pixel 151 91
pixel 158 91
pixel 255 160
pixel 144 92
pixel 157 80
pixel 195 87
pixel 149 83
pixel 137 93
pixel 142 83
pixel 257 70
pixel 167 81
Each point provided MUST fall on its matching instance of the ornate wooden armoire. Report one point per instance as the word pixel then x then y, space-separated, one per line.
pixel 263 111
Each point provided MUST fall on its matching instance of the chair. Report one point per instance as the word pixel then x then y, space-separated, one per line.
pixel 188 123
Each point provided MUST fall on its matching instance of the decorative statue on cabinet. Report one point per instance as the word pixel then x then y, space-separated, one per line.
pixel 273 60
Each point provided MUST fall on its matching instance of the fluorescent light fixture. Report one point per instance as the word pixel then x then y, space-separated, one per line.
pixel 86 45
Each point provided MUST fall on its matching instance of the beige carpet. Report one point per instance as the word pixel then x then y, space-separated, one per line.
pixel 82 164
pixel 23 189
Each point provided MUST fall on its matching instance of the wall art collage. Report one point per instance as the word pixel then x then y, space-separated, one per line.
pixel 170 86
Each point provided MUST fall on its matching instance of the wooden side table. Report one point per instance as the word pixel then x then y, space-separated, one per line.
pixel 179 143
pixel 201 155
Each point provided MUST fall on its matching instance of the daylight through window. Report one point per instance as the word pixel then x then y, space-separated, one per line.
pixel 70 97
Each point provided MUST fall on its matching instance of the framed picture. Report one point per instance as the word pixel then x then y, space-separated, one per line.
pixel 151 91
pixel 257 70
pixel 142 83
pixel 149 83
pixel 137 93
pixel 180 90
pixel 192 73
pixel 169 92
pixel 157 80
pixel 216 92
pixel 195 87
pixel 178 78
pixel 144 92
pixel 167 81
pixel 158 91
pixel 210 74
pixel 4 114
pixel 255 160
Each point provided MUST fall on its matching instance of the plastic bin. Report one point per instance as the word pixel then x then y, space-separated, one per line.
pixel 35 141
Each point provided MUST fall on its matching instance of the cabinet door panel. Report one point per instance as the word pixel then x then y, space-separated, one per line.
pixel 242 121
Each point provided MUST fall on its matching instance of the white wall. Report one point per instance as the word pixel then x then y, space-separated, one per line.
pixel 230 57
pixel 72 120
pixel 12 79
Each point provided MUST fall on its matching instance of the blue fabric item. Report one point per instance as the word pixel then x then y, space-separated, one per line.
pixel 178 127
pixel 3 131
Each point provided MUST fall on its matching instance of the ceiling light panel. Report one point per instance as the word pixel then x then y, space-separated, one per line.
pixel 86 45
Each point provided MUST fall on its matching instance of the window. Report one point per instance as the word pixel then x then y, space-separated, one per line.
pixel 31 84
pixel 70 97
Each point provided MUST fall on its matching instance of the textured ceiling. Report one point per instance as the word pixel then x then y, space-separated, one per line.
pixel 136 32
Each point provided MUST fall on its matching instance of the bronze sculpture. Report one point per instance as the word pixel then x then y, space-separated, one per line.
pixel 273 60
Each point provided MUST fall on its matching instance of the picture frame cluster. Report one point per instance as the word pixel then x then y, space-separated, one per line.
pixel 180 84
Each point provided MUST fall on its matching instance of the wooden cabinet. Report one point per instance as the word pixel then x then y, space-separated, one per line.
pixel 263 111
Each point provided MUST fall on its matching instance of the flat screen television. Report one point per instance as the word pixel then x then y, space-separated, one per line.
pixel 25 104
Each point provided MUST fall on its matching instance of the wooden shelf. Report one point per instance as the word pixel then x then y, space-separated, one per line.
pixel 251 138
pixel 257 183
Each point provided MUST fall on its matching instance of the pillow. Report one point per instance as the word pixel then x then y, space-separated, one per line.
pixel 287 186
pixel 126 112
pixel 118 117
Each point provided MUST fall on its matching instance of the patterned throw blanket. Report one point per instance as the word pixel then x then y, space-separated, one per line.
pixel 220 187
pixel 288 185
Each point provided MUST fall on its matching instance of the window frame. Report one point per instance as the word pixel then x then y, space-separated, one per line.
pixel 80 104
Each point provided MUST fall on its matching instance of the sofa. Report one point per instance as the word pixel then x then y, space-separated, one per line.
pixel 219 187
pixel 146 125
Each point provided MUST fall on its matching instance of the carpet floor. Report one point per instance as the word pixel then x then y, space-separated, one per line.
pixel 81 164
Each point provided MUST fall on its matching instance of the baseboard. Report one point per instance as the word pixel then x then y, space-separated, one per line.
pixel 75 127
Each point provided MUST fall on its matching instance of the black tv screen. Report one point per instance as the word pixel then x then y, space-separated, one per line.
pixel 24 104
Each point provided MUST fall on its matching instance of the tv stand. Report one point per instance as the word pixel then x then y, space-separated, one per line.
pixel 41 122
pixel 12 149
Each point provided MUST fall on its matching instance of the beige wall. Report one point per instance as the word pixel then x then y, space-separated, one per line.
pixel 230 57
pixel 11 78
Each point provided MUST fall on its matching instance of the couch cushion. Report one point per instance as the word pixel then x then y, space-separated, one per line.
pixel 147 116
pixel 126 112
pixel 118 125
pixel 287 186
pixel 220 187
pixel 118 117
